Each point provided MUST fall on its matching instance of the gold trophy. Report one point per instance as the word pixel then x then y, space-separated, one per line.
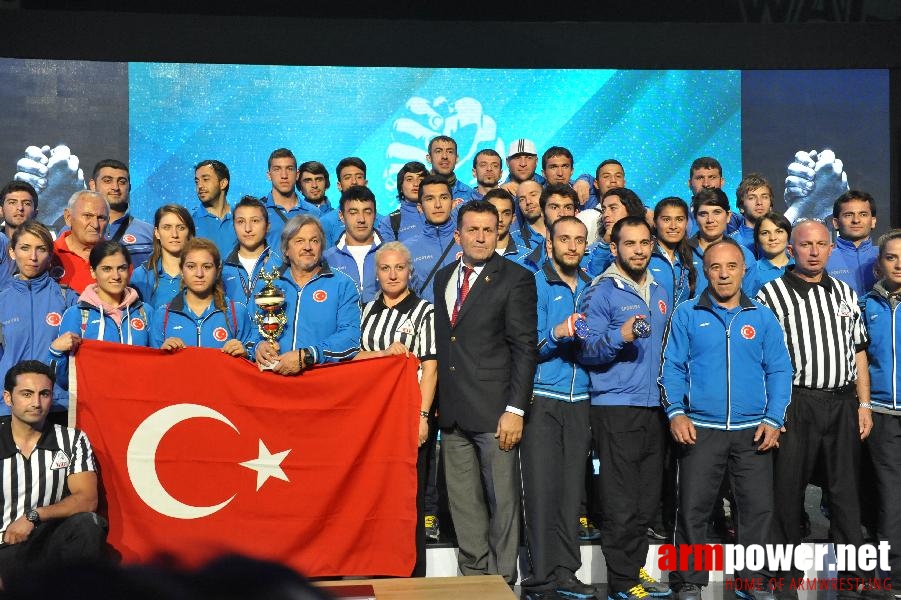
pixel 271 320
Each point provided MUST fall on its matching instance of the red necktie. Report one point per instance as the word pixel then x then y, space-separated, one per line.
pixel 464 291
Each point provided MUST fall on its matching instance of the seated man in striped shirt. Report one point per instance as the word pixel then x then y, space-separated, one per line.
pixel 48 518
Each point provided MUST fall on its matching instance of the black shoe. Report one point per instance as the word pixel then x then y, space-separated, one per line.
pixel 569 586
pixel 540 595
pixel 688 591
pixel 658 534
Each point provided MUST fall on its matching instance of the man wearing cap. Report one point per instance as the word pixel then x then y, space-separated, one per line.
pixel 522 160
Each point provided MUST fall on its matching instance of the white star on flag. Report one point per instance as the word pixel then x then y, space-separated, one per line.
pixel 267 465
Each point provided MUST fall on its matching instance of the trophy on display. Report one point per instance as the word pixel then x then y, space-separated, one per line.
pixel 271 320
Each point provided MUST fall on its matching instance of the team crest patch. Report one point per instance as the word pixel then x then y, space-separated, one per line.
pixel 320 295
pixel 662 306
pixel 748 332
pixel 407 327
pixel 137 324
pixel 129 238
pixel 53 319
pixel 60 460
pixel 844 310
pixel 220 334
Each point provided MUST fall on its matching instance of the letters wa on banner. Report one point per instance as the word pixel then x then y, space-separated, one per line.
pixel 201 454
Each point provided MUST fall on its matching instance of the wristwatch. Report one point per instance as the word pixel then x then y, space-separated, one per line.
pixel 308 359
pixel 33 516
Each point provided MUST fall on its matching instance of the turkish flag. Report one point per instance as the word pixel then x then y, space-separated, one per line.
pixel 202 454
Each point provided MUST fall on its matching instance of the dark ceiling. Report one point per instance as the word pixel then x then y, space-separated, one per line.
pixel 634 11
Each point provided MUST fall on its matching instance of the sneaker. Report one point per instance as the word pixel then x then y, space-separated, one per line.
pixel 688 591
pixel 652 586
pixel 635 593
pixel 587 530
pixel 540 595
pixel 570 587
pixel 431 528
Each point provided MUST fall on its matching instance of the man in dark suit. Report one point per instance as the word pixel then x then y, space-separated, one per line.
pixel 485 328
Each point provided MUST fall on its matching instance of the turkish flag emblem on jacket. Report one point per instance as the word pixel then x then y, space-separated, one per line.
pixel 201 454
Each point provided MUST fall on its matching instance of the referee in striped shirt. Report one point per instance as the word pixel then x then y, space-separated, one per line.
pixel 830 412
pixel 49 481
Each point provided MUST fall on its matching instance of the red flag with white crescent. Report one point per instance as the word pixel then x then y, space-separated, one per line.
pixel 201 454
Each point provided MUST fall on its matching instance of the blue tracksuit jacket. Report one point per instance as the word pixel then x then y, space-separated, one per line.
pixel 622 373
pixel 324 314
pixel 558 376
pixel 725 368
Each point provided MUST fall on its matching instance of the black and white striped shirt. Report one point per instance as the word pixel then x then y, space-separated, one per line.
pixel 823 328
pixel 40 480
pixel 411 322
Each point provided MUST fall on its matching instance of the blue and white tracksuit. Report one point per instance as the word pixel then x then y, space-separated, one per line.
pixel 671 275
pixel 340 259
pixel 209 330
pixel 209 226
pixel 7 264
pixel 323 315
pixel 883 323
pixel 425 249
pixel 155 293
pixel 278 216
pixel 767 271
pixel 744 235
pixel 854 264
pixel 599 257
pixel 725 368
pixel 90 322
pixel 237 283
pixel 412 222
pixel 622 373
pixel 137 237
pixel 31 311
pixel 558 376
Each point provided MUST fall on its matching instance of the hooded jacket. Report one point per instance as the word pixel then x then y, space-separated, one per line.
pixel 622 373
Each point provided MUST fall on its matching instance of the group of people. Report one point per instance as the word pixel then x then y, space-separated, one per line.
pixel 555 318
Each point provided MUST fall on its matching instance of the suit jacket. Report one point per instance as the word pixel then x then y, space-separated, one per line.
pixel 487 361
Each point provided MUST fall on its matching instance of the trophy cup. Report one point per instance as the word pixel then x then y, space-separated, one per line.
pixel 271 320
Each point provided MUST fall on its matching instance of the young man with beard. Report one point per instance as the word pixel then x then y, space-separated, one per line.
pixel 626 313
pixel 443 157
pixel 725 383
pixel 530 230
pixel 755 199
pixel 110 178
pixel 556 434
pixel 486 168
pixel 213 218
pixel 556 200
